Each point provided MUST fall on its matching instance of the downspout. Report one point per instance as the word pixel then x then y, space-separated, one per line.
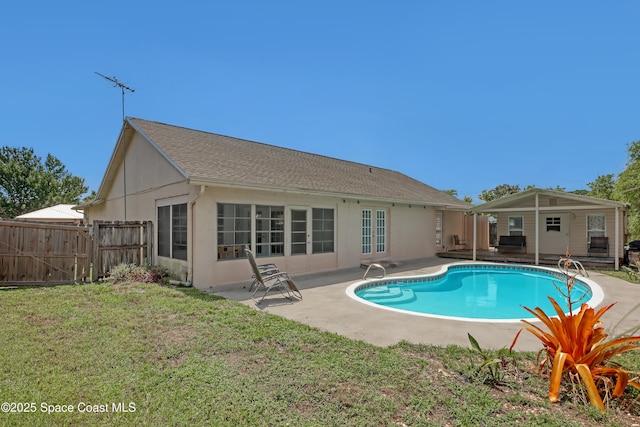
pixel 191 245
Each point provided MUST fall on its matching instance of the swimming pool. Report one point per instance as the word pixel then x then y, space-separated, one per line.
pixel 475 292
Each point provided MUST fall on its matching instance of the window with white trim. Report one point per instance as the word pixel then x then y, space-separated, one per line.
pixel 367 231
pixel 438 228
pixel 596 226
pixel 322 230
pixel 516 226
pixel 269 231
pixel 298 231
pixel 553 223
pixel 381 231
pixel 234 230
pixel 172 231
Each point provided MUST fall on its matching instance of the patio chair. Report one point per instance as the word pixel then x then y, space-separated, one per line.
pixel 598 245
pixel 457 242
pixel 271 279
pixel 265 269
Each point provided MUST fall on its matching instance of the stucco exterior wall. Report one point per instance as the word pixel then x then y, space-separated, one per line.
pixel 149 177
pixel 410 234
pixel 410 229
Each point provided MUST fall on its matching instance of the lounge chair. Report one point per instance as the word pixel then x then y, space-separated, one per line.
pixel 265 269
pixel 271 279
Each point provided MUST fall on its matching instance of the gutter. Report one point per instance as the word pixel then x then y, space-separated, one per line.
pixel 231 184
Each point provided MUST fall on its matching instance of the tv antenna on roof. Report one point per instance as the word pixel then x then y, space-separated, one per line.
pixel 119 84
pixel 122 87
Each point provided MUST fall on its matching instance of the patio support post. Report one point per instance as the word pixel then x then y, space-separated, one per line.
pixel 537 259
pixel 475 233
pixel 616 259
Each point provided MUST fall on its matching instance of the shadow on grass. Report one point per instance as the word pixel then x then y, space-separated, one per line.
pixel 30 286
pixel 197 294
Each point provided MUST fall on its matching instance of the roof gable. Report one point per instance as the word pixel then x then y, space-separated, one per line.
pixel 207 158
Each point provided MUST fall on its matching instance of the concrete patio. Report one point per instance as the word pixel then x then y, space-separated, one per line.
pixel 326 306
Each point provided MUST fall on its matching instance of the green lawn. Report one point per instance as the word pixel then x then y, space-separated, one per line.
pixel 178 357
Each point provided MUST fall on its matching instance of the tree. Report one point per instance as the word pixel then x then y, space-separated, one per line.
pixel 498 192
pixel 91 196
pixel 603 187
pixel 627 188
pixel 28 184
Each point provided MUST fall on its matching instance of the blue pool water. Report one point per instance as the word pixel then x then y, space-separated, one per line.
pixel 476 291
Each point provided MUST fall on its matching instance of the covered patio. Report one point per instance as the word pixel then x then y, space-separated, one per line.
pixel 551 223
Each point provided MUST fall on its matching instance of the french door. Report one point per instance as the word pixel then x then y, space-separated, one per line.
pixel 374 231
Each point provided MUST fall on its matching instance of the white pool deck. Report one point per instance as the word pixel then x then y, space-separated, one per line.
pixel 325 305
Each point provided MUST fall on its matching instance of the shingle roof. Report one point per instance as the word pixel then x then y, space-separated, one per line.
pixel 217 159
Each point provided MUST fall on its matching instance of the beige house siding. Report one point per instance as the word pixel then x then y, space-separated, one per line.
pixel 149 177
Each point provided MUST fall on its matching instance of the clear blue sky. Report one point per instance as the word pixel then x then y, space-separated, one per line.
pixel 463 95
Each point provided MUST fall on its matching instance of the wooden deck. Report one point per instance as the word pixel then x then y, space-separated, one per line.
pixel 601 263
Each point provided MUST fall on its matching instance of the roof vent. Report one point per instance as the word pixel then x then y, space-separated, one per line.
pixel 553 202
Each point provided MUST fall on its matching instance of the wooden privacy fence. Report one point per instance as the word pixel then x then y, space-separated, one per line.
pixel 41 253
pixel 116 243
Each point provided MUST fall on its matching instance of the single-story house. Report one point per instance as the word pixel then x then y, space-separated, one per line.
pixel 210 196
pixel 58 214
pixel 554 222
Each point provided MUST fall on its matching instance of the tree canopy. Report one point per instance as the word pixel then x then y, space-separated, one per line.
pixel 603 187
pixel 627 188
pixel 498 192
pixel 28 183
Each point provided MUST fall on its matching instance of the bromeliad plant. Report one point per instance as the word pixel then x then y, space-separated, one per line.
pixel 577 348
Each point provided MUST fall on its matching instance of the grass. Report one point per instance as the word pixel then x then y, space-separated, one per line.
pixel 180 357
pixel 625 273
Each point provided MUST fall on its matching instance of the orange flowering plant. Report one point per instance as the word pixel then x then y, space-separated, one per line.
pixel 577 348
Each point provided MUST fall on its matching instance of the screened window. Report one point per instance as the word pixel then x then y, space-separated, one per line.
pixel 516 226
pixel 172 231
pixel 595 226
pixel 322 230
pixel 234 230
pixel 298 232
pixel 269 231
pixel 164 231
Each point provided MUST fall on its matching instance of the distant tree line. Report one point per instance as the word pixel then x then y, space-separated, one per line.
pixel 623 188
pixel 28 182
